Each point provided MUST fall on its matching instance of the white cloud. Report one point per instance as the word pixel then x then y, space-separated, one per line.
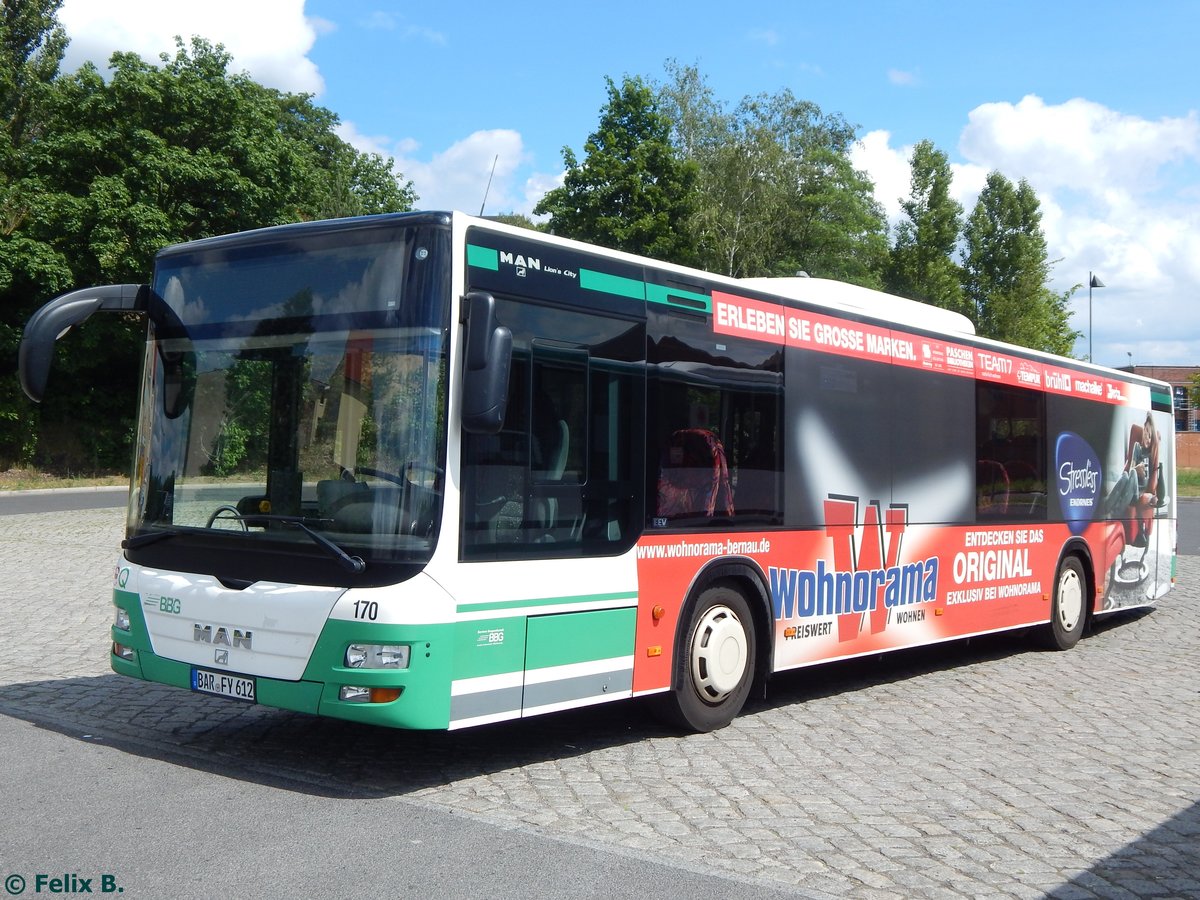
pixel 901 78
pixel 1117 195
pixel 537 186
pixel 887 167
pixel 766 36
pixel 366 143
pixel 1079 145
pixel 270 39
pixel 457 177
pixel 386 21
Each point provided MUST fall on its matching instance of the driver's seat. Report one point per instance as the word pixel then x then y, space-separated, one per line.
pixel 333 493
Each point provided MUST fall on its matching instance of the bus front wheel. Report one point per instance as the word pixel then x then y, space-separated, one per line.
pixel 1068 613
pixel 714 665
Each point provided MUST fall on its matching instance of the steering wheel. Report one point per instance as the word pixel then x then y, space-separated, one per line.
pixel 220 511
pixel 405 480
pixel 380 474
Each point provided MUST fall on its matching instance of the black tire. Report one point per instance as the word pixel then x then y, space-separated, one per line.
pixel 714 662
pixel 1068 612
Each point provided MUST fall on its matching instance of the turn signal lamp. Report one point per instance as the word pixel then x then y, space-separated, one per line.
pixel 356 694
pixel 122 652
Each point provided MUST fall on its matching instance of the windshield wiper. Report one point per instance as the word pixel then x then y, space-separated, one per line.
pixel 350 563
pixel 146 537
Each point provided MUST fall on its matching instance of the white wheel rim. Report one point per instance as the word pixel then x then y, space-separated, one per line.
pixel 719 654
pixel 1070 599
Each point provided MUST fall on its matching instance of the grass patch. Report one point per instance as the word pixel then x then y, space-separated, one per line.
pixel 1188 481
pixel 33 480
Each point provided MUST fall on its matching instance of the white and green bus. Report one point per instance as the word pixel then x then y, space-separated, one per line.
pixel 429 471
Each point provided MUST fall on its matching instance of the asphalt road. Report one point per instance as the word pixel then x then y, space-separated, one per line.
pixel 980 769
pixel 13 503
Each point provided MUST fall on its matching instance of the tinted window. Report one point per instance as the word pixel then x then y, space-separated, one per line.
pixel 563 476
pixel 715 434
pixel 1010 454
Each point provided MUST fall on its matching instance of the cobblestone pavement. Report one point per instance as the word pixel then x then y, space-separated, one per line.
pixel 986 769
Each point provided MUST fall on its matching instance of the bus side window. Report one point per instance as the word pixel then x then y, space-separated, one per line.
pixel 559 478
pixel 1010 453
pixel 714 438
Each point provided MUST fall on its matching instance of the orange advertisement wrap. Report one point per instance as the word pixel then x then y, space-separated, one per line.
pixel 868 582
pixel 931 486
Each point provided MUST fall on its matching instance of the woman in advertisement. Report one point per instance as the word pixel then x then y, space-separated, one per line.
pixel 1138 485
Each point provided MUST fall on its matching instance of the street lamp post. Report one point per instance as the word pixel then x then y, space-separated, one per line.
pixel 1093 282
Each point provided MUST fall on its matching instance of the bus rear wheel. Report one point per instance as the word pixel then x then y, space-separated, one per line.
pixel 1068 613
pixel 714 665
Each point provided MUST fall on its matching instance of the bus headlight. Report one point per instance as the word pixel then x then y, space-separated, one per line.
pixel 121 620
pixel 377 656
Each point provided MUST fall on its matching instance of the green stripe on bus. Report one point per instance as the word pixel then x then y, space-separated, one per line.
pixel 568 638
pixel 660 293
pixel 592 280
pixel 544 601
pixel 483 257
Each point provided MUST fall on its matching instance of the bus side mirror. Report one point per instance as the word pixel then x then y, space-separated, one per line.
pixel 179 382
pixel 486 365
pixel 58 316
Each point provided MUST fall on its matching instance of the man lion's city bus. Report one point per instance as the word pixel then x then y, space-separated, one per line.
pixel 428 471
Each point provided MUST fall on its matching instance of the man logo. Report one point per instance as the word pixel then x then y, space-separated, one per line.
pixel 221 657
pixel 222 636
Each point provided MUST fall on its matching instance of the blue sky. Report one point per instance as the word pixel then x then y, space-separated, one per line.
pixel 1096 104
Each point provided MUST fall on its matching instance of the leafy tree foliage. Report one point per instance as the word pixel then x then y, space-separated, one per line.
pixel 631 191
pixel 100 173
pixel 515 219
pixel 921 264
pixel 1006 268
pixel 31 47
pixel 776 191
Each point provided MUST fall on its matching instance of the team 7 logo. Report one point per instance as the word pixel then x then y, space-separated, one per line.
pixel 866 579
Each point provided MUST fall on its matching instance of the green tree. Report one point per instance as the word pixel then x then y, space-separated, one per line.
pixel 31 49
pixel 921 265
pixel 124 165
pixel 631 192
pixel 516 219
pixel 1005 270
pixel 776 191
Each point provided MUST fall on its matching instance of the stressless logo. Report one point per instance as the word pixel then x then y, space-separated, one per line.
pixel 1079 477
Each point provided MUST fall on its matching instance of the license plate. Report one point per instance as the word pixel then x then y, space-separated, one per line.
pixel 222 684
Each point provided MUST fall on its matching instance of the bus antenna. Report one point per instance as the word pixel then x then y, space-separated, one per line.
pixel 489 184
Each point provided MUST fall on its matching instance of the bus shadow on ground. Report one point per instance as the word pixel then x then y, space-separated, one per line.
pixel 1164 862
pixel 330 757
pixel 829 679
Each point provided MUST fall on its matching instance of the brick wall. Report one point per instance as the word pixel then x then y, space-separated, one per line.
pixel 1187 449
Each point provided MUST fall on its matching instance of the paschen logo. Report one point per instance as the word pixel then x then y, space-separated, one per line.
pixel 1078 479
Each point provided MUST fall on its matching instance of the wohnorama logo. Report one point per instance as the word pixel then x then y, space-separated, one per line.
pixel 866 576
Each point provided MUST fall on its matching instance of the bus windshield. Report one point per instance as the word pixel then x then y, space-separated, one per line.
pixel 293 404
